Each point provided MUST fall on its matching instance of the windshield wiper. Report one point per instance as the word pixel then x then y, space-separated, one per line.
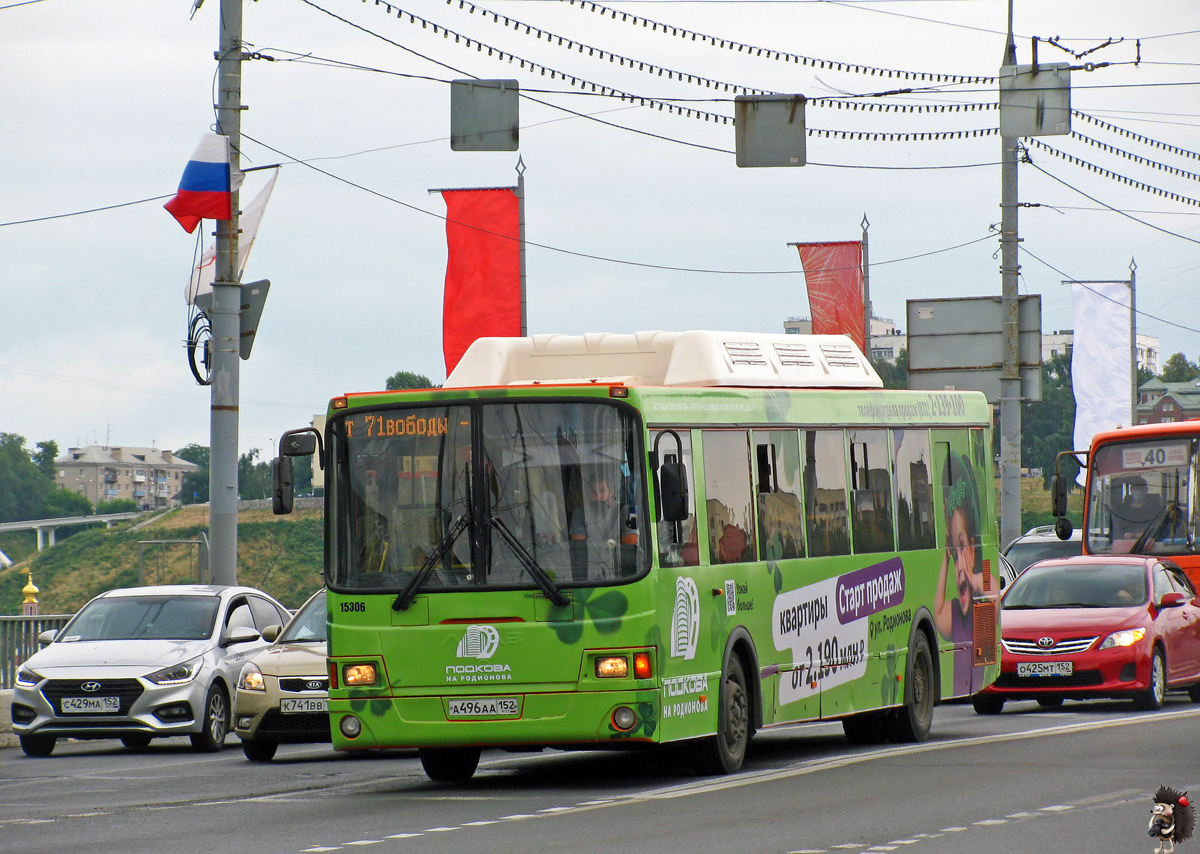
pixel 1157 526
pixel 539 575
pixel 410 590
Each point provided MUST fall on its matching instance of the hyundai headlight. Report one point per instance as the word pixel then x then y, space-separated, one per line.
pixel 27 678
pixel 251 678
pixel 176 674
pixel 1125 637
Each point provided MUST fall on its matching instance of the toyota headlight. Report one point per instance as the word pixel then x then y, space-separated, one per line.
pixel 1125 637
pixel 251 678
pixel 176 674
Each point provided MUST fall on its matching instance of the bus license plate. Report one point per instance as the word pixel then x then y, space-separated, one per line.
pixel 1045 668
pixel 90 705
pixel 484 707
pixel 296 705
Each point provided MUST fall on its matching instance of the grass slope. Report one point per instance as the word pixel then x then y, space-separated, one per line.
pixel 281 555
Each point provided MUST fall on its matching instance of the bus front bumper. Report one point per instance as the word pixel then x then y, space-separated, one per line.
pixel 498 720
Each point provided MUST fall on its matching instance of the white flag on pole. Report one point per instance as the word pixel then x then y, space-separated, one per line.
pixel 1101 369
pixel 204 273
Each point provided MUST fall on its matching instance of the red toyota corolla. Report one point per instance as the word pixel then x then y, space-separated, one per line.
pixel 1086 627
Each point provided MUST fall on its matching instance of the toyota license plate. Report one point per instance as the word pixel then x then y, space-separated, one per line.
pixel 484 707
pixel 1045 668
pixel 299 705
pixel 90 705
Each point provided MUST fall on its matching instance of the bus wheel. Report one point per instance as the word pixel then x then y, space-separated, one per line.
pixel 912 721
pixel 449 764
pixel 865 728
pixel 723 753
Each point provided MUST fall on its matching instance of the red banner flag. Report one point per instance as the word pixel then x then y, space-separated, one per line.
pixel 834 275
pixel 483 269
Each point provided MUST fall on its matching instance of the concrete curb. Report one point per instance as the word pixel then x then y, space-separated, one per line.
pixel 7 739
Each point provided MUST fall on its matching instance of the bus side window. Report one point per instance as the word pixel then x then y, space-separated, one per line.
pixel 872 491
pixel 825 493
pixel 777 479
pixel 677 541
pixel 914 490
pixel 727 493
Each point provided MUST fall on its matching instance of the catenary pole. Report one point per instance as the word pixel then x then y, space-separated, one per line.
pixel 226 319
pixel 1010 372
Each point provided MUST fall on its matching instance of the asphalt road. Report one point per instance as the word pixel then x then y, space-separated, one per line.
pixel 1077 778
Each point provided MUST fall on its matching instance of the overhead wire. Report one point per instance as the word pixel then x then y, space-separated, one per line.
pixel 589 256
pixel 1084 284
pixel 1110 207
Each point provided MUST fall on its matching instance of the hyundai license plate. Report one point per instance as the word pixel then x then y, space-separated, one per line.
pixel 1045 668
pixel 299 705
pixel 90 705
pixel 484 707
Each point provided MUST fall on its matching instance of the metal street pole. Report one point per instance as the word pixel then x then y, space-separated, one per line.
pixel 1133 359
pixel 1010 373
pixel 226 319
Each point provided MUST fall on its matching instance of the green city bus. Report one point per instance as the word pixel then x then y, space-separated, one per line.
pixel 622 540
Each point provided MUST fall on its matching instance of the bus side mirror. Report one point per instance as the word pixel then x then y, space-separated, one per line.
pixel 1058 495
pixel 673 491
pixel 282 486
pixel 294 443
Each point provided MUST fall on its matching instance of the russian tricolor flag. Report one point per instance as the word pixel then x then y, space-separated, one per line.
pixel 206 188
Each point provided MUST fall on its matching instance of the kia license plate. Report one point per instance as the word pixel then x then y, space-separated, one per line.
pixel 299 705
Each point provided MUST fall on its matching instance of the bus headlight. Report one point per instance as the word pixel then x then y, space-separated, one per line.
pixel 612 667
pixel 358 674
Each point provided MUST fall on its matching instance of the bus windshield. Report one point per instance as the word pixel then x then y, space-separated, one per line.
pixel 1140 498
pixel 490 494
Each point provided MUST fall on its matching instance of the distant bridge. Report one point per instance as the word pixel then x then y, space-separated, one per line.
pixel 42 526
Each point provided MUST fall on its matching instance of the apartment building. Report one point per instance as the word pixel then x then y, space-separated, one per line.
pixel 151 477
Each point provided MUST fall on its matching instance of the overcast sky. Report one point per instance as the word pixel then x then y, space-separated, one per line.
pixel 104 102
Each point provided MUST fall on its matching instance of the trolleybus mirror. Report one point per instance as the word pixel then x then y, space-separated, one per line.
pixel 1063 528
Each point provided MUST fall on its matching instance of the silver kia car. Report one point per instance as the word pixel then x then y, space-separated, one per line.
pixel 142 663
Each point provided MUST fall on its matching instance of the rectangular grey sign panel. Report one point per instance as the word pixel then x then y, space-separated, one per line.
pixel 959 342
pixel 769 130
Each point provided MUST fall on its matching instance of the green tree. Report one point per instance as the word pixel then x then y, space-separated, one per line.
pixel 63 502
pixel 894 374
pixel 194 489
pixel 1048 426
pixel 408 380
pixel 117 505
pixel 254 478
pixel 1177 369
pixel 1144 375
pixel 23 485
pixel 44 457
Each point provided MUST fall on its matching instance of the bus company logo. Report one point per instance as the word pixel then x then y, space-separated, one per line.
pixel 685 622
pixel 479 642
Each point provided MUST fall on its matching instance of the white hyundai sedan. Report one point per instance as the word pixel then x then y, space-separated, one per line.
pixel 142 663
